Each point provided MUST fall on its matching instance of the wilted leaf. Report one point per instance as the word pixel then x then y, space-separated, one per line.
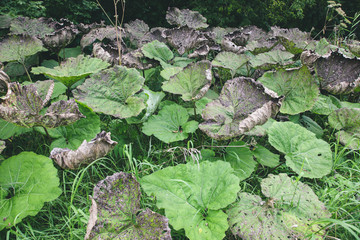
pixel 5 21
pixel 193 196
pixel 73 69
pixel 230 61
pixel 297 85
pixel 24 105
pixel 64 33
pixel 31 27
pixel 136 30
pixel 88 152
pixel 184 39
pixel 134 59
pixel 2 146
pixel 170 125
pixel 98 34
pixel 242 104
pixel 115 212
pixel 347 120
pixel 112 92
pixel 288 212
pixel 304 153
pixel 272 59
pixel 192 82
pixel 185 17
pixel 27 181
pixel 5 89
pixel 16 48
pixel 337 73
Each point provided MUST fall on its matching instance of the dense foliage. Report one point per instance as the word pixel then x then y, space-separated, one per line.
pixel 229 132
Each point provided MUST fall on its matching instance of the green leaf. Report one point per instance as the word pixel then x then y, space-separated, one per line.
pixel 115 212
pixel 288 213
pixel 272 59
pixel 112 92
pixel 73 135
pixel 2 146
pixel 348 121
pixel 70 52
pixel 16 48
pixel 168 72
pixel 266 157
pixel 153 100
pixel 15 69
pixel 8 129
pixel 305 154
pixel 193 196
pixel 325 105
pixel 27 181
pixel 230 60
pixel 185 17
pixel 158 51
pixel 170 125
pixel 242 104
pixel 192 82
pixel 241 159
pixel 297 85
pixel 73 69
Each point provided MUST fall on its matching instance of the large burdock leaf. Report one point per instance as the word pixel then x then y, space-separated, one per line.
pixel 288 212
pixel 192 82
pixel 85 154
pixel 16 48
pixel 64 33
pixel 242 104
pixel 304 153
pixel 31 27
pixel 338 74
pixel 27 181
pixel 158 51
pixel 230 61
pixel 24 106
pixel 297 85
pixel 171 124
pixel 185 17
pixel 112 92
pixel 136 30
pixel 325 105
pixel 115 212
pixel 73 69
pixel 347 120
pixel 184 39
pixel 98 34
pixel 272 59
pixel 193 196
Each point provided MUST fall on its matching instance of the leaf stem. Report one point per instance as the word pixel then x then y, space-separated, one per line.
pixel 27 73
pixel 47 133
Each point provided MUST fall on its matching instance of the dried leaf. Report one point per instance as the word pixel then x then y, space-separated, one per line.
pixel 185 17
pixel 85 154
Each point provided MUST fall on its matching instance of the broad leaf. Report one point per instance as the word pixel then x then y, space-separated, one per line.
pixel 5 21
pixel 230 61
pixel 24 106
pixel 185 39
pixel 112 92
pixel 136 29
pixel 115 212
pixel 288 213
pixel 158 51
pixel 31 27
pixel 242 104
pixel 297 85
pixel 325 105
pixel 16 69
pixel 272 59
pixel 16 48
pixel 170 125
pixel 337 73
pixel 88 152
pixel 193 196
pixel 73 69
pixel 98 34
pixel 8 129
pixel 304 153
pixel 347 120
pixel 73 135
pixel 192 82
pixel 27 181
pixel 185 17
pixel 265 157
pixel 241 159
